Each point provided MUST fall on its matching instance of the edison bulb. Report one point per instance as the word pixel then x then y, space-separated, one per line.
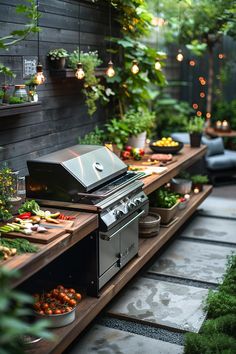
pixel 157 65
pixel 179 56
pixel 110 72
pixel 135 67
pixel 39 76
pixel 79 74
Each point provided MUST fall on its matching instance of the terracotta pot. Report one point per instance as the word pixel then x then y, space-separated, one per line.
pixel 195 139
pixel 137 141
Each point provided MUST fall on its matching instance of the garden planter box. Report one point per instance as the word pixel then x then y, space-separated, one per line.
pixel 166 214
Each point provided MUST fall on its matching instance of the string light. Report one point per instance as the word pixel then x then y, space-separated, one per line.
pixel 208 115
pixel 157 65
pixel 79 74
pixel 202 94
pixel 180 56
pixel 39 76
pixel 110 72
pixel 195 106
pixel 199 113
pixel 192 63
pixel 203 82
pixel 221 56
pixel 201 78
pixel 158 21
pixel 135 67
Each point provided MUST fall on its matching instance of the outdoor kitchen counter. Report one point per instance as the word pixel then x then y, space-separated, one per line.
pixel 185 158
pixel 29 263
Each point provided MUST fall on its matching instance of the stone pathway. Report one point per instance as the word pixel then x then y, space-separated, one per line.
pixel 152 313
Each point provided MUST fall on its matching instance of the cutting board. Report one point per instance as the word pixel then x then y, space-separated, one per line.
pixel 38 237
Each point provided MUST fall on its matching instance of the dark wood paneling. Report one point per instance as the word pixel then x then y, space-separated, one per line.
pixel 63 117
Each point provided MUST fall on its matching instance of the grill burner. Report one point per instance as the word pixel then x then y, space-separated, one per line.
pixel 92 178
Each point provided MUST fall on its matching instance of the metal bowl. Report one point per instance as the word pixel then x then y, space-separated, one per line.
pixel 181 185
pixel 166 149
pixel 60 320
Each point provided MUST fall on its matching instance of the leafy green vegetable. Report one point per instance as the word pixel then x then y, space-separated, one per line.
pixel 22 245
pixel 163 198
pixel 30 205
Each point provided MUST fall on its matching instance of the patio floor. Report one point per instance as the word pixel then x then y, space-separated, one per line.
pixel 154 310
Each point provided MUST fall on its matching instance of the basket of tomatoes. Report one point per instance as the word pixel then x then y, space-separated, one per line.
pixel 58 305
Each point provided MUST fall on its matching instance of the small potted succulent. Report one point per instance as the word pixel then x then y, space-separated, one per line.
pixel 57 58
pixel 197 182
pixel 165 203
pixel 195 129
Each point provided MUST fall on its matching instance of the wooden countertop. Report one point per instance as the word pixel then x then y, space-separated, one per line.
pixel 29 263
pixel 218 133
pixel 185 158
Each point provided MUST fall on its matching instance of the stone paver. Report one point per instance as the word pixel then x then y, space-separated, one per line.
pixel 193 260
pixel 104 340
pixel 163 303
pixel 212 229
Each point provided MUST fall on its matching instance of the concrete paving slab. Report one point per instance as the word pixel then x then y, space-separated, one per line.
pixel 193 260
pixel 218 205
pixel 212 229
pixel 104 340
pixel 175 306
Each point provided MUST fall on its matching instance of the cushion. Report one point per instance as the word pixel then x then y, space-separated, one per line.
pixel 214 146
pixel 222 161
pixel 183 137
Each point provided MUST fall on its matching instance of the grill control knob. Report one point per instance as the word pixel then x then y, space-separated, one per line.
pixel 137 201
pixel 118 213
pixel 131 205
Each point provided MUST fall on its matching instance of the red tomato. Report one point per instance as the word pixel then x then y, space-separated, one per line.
pixel 48 312
pixel 78 296
pixel 141 151
pixel 126 155
pixel 72 291
pixel 128 148
pixel 72 302
pixel 57 312
pixel 37 306
pixel 45 306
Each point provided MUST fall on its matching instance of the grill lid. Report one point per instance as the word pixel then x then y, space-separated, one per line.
pixel 90 165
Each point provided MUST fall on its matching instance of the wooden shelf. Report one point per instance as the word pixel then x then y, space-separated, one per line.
pixel 70 73
pixel 29 263
pixel 90 307
pixel 13 109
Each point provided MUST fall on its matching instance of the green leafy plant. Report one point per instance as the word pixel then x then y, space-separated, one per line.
pixel 95 137
pixel 7 190
pixel 1 94
pixel 196 125
pixel 199 179
pixel 13 313
pixel 163 198
pixel 117 132
pixel 15 100
pixel 56 54
pixel 31 82
pixel 92 88
pixel 138 120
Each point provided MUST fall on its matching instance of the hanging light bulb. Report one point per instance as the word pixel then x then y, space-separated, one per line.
pixel 157 65
pixel 79 74
pixel 110 72
pixel 39 76
pixel 180 56
pixel 135 67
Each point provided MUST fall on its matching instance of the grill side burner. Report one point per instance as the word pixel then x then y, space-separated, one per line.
pixel 93 179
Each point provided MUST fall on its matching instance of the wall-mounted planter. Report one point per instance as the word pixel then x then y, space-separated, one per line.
pixel 13 109
pixel 70 73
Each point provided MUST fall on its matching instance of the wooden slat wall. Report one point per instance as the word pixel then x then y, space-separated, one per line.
pixel 64 116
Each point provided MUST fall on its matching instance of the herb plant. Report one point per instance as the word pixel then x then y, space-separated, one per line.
pixel 138 120
pixel 7 191
pixel 92 88
pixel 199 179
pixel 1 94
pixel 196 125
pixel 56 54
pixel 95 137
pixel 163 198
pixel 117 132
pixel 15 100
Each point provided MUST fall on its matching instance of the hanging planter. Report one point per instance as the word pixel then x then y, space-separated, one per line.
pixel 57 58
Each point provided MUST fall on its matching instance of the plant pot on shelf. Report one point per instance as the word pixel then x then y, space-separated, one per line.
pixel 195 139
pixel 57 63
pixel 137 141
pixel 167 214
pixel 181 185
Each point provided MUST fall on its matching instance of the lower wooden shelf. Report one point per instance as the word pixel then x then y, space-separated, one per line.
pixel 13 109
pixel 90 307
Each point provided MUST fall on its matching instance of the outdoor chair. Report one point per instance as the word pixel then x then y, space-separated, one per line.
pixel 220 163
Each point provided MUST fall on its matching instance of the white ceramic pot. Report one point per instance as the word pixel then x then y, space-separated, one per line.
pixel 137 141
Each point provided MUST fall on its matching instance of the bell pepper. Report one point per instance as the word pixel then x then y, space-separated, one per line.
pixel 23 216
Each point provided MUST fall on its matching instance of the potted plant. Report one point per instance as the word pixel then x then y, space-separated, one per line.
pixel 117 134
pixel 57 58
pixel 139 122
pixel 32 86
pixel 197 182
pixel 95 137
pixel 15 100
pixel 1 96
pixel 165 203
pixel 195 129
